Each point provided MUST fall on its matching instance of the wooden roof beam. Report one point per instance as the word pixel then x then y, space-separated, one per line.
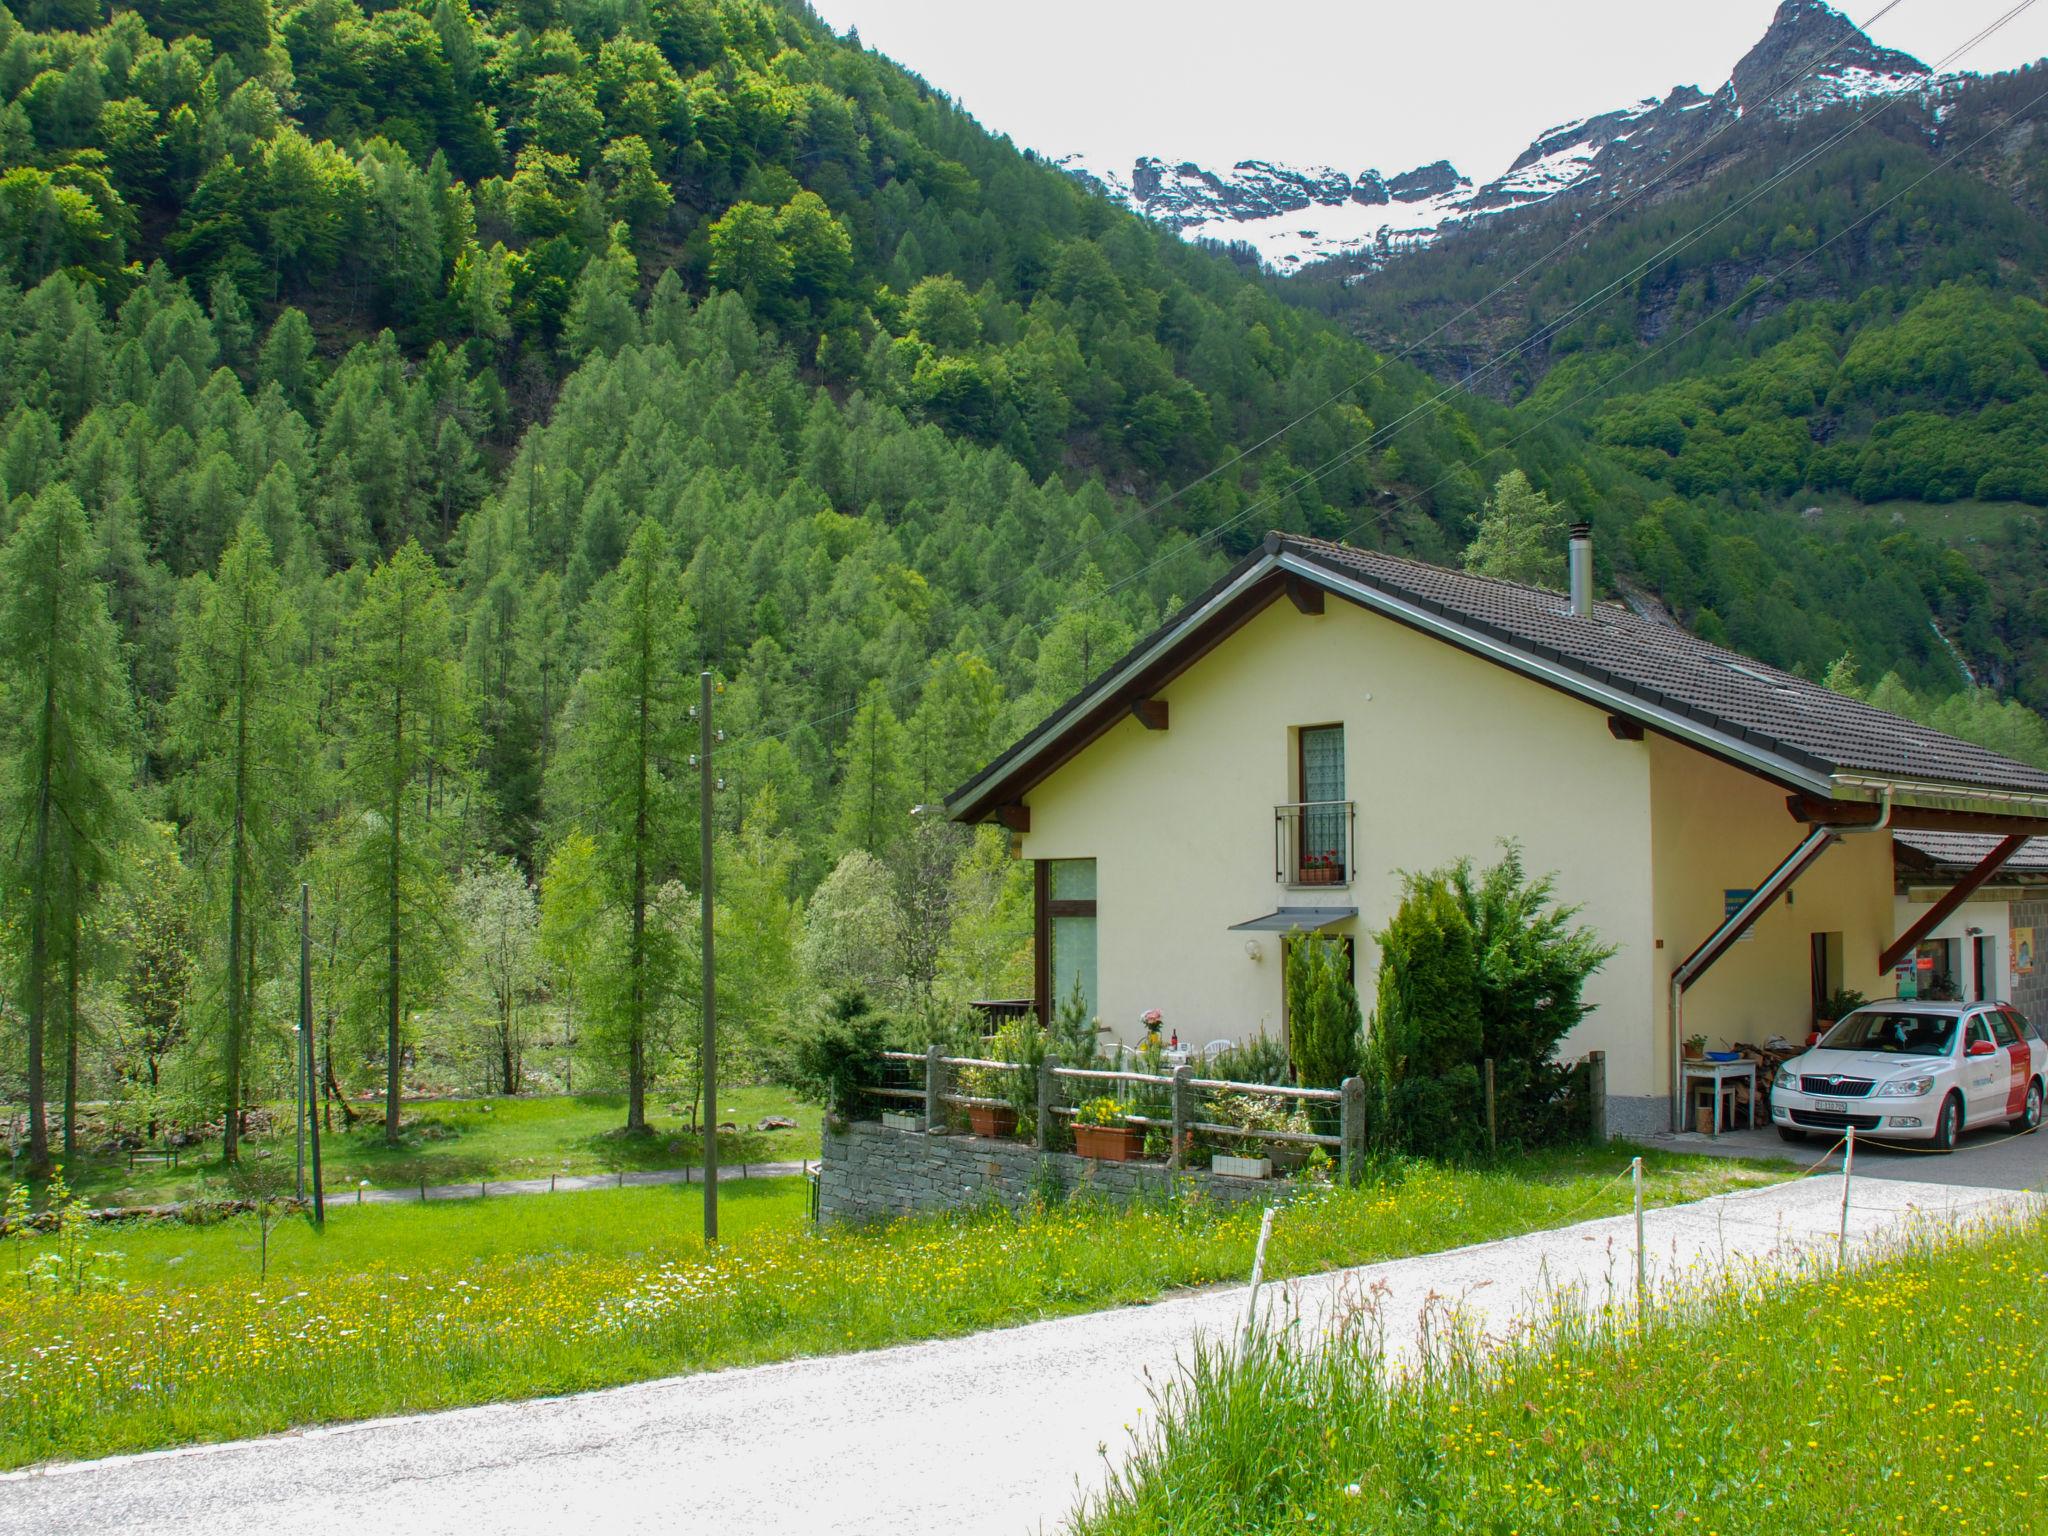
pixel 1305 595
pixel 1954 897
pixel 1150 713
pixel 1911 818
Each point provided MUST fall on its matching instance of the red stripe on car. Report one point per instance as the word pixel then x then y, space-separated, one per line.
pixel 2022 1060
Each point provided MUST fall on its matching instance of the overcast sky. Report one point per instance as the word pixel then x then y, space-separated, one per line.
pixel 1349 83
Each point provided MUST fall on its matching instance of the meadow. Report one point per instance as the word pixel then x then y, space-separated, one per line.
pixel 398 1308
pixel 1903 1395
pixel 459 1141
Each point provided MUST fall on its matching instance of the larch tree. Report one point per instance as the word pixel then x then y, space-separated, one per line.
pixel 65 722
pixel 628 745
pixel 1521 536
pixel 239 724
pixel 406 745
pixel 571 911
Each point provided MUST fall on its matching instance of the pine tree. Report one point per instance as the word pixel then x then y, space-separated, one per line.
pixel 65 718
pixel 405 727
pixel 239 724
pixel 629 741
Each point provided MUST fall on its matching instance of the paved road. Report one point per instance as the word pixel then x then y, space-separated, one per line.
pixel 993 1433
pixel 1993 1158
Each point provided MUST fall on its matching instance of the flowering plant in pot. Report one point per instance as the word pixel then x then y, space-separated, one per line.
pixel 1321 869
pixel 1100 1132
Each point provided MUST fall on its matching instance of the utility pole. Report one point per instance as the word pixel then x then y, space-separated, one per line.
pixel 705 786
pixel 309 1081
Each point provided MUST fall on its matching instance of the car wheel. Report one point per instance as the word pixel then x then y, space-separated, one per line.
pixel 1790 1133
pixel 2030 1117
pixel 1948 1124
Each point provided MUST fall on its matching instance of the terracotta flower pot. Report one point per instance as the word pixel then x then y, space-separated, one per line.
pixel 991 1119
pixel 1320 875
pixel 1107 1143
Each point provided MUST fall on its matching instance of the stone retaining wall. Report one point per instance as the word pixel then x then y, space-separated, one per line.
pixel 869 1172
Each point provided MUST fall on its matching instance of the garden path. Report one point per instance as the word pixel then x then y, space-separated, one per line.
pixel 997 1432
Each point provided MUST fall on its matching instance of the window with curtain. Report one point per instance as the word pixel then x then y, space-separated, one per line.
pixel 1072 930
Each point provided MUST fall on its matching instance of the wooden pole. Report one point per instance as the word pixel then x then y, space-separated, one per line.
pixel 311 1096
pixel 704 879
pixel 1848 1173
pixel 1492 1122
pixel 1642 1261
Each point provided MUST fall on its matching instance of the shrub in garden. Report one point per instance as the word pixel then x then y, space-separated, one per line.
pixel 1261 1059
pixel 1425 1043
pixel 1322 1011
pixel 840 1055
pixel 1533 968
pixel 1475 967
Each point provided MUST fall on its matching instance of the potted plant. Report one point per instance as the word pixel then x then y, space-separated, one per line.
pixel 1320 869
pixel 1100 1132
pixel 902 1120
pixel 1246 1157
pixel 993 1116
pixel 1695 1047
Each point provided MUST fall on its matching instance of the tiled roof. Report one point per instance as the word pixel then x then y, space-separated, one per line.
pixel 1666 667
pixel 1966 850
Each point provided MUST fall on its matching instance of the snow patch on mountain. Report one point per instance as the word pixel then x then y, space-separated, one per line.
pixel 1811 57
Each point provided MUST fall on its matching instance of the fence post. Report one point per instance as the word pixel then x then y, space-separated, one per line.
pixel 1351 1130
pixel 1492 1120
pixel 1182 1075
pixel 1596 1094
pixel 1048 1087
pixel 933 1073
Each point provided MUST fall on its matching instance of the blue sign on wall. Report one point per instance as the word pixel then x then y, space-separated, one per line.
pixel 1732 900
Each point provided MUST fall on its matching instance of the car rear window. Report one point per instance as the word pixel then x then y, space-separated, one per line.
pixel 2001 1027
pixel 1895 1034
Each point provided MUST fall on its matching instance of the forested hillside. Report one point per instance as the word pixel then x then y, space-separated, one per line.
pixel 399 407
pixel 1837 313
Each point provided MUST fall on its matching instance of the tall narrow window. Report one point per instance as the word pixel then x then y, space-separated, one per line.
pixel 1322 851
pixel 1071 931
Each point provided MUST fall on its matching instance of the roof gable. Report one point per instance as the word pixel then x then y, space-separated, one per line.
pixel 1775 723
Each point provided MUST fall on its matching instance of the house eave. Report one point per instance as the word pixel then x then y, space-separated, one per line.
pixel 978 798
pixel 1614 700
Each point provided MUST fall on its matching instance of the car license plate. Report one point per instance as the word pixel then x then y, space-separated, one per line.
pixel 1832 1106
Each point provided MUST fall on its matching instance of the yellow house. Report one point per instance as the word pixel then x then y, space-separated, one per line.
pixel 1326 717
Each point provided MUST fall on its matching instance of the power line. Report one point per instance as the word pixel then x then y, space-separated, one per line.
pixel 1144 512
pixel 1380 435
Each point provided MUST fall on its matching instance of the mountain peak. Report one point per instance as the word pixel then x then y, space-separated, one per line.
pixel 1810 57
pixel 1812 39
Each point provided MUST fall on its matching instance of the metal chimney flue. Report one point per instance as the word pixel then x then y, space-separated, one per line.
pixel 1579 560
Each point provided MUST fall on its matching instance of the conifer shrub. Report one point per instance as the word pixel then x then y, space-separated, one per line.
pixel 1424 1047
pixel 1477 966
pixel 832 1062
pixel 1323 1019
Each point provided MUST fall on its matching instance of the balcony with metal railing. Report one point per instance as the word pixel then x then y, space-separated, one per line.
pixel 1312 842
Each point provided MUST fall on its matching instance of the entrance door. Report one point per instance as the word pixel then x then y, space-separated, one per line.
pixel 1984 966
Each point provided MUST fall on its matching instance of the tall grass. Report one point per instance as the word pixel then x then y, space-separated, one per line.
pixel 377 1324
pixel 1902 1396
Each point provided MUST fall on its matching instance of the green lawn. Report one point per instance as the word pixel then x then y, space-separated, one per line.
pixel 647 1224
pixel 457 1141
pixel 400 1308
pixel 1906 1396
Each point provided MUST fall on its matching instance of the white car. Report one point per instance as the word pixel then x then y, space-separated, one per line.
pixel 1915 1071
